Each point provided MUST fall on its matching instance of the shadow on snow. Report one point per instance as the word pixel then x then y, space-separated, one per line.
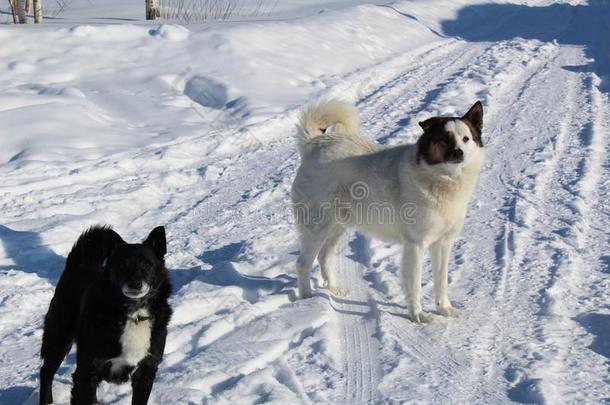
pixel 223 273
pixel 580 25
pixel 29 254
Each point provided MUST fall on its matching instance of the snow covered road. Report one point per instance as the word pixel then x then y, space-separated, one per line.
pixel 139 126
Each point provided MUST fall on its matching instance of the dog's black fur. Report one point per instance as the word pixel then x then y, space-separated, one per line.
pixel 90 308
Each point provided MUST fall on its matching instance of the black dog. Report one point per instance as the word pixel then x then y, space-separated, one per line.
pixel 112 301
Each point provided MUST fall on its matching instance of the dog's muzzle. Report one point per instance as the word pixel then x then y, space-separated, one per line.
pixel 457 156
pixel 135 293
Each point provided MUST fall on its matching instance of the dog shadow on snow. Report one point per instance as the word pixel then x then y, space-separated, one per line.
pixel 581 25
pixel 361 254
pixel 29 254
pixel 224 273
pixel 598 325
pixel 15 395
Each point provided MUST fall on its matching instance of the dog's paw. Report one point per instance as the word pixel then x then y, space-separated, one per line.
pixel 421 317
pixel 305 291
pixel 305 294
pixel 338 291
pixel 449 311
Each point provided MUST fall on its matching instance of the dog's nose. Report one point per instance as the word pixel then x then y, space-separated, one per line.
pixel 135 285
pixel 458 153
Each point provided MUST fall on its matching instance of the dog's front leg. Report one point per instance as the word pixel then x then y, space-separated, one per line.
pixel 439 255
pixel 411 269
pixel 142 381
pixel 144 376
pixel 84 385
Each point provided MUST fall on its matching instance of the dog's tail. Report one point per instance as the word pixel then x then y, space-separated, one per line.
pixel 324 117
pixel 86 260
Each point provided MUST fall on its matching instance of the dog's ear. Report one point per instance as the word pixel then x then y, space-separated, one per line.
pixel 156 240
pixel 475 116
pixel 427 124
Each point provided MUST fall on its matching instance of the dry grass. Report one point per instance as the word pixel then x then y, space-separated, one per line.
pixel 214 10
pixel 179 10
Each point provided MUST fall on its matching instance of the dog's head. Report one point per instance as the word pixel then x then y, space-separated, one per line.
pixel 451 142
pixel 138 269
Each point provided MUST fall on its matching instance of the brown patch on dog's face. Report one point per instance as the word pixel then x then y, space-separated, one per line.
pixel 436 145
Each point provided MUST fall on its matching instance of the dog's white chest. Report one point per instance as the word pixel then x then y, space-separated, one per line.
pixel 135 341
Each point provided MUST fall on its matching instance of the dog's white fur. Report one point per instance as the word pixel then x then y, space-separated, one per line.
pixel 135 341
pixel 343 175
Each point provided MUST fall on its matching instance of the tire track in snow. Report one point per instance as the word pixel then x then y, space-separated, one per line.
pixel 356 317
pixel 447 364
pixel 453 66
pixel 526 255
pixel 564 301
pixel 532 261
pixel 389 109
pixel 493 332
pixel 488 335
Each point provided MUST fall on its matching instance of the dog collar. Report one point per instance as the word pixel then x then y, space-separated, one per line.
pixel 139 318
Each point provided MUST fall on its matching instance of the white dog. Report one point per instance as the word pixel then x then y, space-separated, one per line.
pixel 415 195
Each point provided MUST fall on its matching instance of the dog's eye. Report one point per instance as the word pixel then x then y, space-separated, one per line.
pixel 465 139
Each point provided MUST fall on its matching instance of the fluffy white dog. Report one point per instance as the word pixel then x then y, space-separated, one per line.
pixel 415 195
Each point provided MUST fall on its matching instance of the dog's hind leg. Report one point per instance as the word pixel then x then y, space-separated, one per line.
pixel 327 257
pixel 311 242
pixel 439 255
pixel 49 367
pixel 57 337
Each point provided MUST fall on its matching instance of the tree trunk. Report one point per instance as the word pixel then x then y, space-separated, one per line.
pixel 152 9
pixel 28 6
pixel 23 19
pixel 37 11
pixel 13 5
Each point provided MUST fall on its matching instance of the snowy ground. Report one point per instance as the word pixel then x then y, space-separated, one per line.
pixel 138 125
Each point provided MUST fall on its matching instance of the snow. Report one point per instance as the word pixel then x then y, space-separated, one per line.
pixel 110 119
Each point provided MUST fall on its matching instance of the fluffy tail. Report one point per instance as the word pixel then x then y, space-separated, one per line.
pixel 324 117
pixel 84 261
